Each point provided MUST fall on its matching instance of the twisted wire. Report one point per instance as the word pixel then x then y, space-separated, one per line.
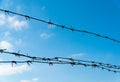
pixel 29 62
pixel 62 60
pixel 61 26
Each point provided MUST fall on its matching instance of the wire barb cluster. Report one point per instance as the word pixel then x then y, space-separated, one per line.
pixel 61 26
pixel 61 60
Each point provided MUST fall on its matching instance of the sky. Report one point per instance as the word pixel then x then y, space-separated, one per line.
pixel 39 39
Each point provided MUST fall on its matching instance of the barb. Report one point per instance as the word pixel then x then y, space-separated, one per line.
pixel 62 60
pixel 61 26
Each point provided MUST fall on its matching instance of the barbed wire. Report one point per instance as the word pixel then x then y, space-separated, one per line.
pixel 61 60
pixel 51 63
pixel 61 26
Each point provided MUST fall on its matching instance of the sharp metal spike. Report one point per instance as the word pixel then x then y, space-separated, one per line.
pixel 27 17
pixel 50 63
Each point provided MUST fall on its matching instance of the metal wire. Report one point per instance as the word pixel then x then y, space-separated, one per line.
pixel 61 26
pixel 62 60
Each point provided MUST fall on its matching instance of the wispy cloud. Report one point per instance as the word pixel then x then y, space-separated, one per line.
pixel 9 42
pixel 24 81
pixel 6 4
pixel 12 22
pixel 6 45
pixel 6 70
pixel 6 35
pixel 15 23
pixel 45 35
pixel 32 80
pixel 2 19
pixel 78 55
pixel 35 79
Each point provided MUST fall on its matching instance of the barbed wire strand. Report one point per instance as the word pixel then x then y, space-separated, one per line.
pixel 59 58
pixel 51 63
pixel 62 60
pixel 61 26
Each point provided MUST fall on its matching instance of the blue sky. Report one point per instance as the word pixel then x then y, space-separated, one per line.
pixel 39 39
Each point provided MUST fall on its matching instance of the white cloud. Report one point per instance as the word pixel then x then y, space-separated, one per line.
pixel 35 79
pixel 78 55
pixel 45 35
pixel 24 81
pixel 32 80
pixel 12 22
pixel 2 19
pixel 6 36
pixel 6 45
pixel 9 70
pixel 15 23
